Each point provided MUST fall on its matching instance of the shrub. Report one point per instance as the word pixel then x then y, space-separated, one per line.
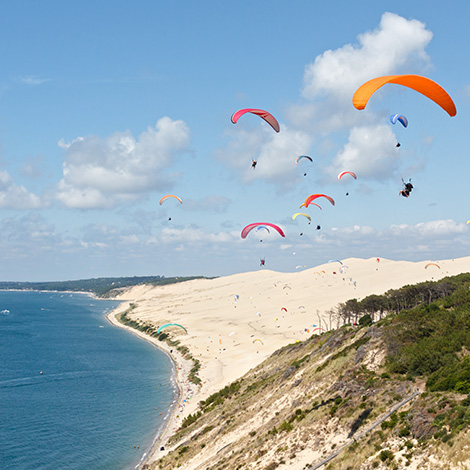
pixel 386 455
pixel 286 426
pixel 404 432
pixel 365 320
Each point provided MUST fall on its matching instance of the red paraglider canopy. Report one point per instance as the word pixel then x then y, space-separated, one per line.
pixel 315 196
pixel 250 227
pixel 268 117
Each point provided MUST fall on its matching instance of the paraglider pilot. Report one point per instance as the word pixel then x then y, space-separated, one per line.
pixel 262 261
pixel 253 164
pixel 407 188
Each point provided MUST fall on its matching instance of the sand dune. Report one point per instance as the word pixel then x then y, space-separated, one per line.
pixel 225 316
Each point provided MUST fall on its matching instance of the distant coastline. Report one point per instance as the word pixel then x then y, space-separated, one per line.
pixel 103 287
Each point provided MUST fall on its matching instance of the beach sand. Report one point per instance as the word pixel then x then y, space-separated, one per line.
pixel 235 322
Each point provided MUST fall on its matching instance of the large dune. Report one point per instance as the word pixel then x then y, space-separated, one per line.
pixel 235 322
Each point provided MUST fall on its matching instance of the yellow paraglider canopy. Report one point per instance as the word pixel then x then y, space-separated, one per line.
pixel 423 85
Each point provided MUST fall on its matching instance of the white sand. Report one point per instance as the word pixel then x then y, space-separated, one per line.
pixel 222 329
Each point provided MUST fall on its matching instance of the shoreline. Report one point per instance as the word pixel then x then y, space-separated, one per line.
pixel 184 390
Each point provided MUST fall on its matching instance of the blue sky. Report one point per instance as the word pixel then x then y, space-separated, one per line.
pixel 105 107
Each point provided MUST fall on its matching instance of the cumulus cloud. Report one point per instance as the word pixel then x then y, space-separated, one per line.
pixel 100 173
pixel 424 231
pixel 371 151
pixel 13 196
pixel 432 229
pixel 394 45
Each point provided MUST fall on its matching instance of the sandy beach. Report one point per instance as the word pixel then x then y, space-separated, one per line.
pixel 237 321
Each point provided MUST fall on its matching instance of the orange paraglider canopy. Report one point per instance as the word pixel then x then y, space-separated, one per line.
pixel 422 85
pixel 164 198
pixel 432 264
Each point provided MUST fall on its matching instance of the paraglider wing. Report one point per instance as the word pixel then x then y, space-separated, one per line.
pixel 268 117
pixel 257 339
pixel 311 204
pixel 262 227
pixel 302 213
pixel 432 264
pixel 170 324
pixel 318 328
pixel 297 160
pixel 250 227
pixel 347 173
pixel 315 196
pixel 335 261
pixel 398 117
pixel 422 85
pixel 164 198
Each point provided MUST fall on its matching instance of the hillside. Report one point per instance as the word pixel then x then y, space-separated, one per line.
pixel 384 393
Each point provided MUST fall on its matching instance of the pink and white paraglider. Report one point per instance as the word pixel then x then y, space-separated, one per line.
pixel 250 227
pixel 268 117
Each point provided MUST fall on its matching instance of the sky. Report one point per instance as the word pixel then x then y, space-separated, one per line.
pixel 106 107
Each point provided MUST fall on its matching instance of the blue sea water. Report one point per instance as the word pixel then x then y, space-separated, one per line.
pixel 75 391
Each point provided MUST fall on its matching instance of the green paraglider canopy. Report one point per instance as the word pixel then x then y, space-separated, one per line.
pixel 170 324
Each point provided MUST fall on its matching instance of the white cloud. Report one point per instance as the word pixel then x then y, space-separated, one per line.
pixel 100 173
pixel 371 151
pixel 432 229
pixel 397 43
pixel 13 196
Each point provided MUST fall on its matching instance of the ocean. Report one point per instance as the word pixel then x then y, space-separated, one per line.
pixel 75 391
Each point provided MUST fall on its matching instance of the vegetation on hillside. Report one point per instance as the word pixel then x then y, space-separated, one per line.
pixel 152 330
